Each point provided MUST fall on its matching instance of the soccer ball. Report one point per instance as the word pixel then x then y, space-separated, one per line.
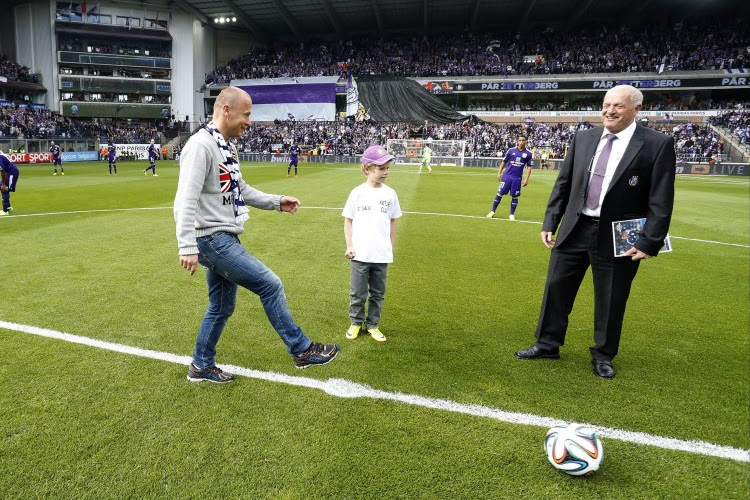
pixel 575 449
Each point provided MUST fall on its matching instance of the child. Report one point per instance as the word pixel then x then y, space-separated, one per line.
pixel 370 231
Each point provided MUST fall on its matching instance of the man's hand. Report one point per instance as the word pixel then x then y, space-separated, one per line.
pixel 3 187
pixel 289 204
pixel 547 239
pixel 524 183
pixel 189 262
pixel 636 254
pixel 350 254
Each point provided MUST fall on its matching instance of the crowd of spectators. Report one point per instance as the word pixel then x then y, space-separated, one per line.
pixel 737 122
pixel 683 101
pixel 351 138
pixel 21 122
pixel 483 139
pixel 327 137
pixel 584 50
pixel 693 142
pixel 15 72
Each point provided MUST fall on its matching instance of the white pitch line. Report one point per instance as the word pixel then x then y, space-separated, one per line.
pixel 73 212
pixel 710 241
pixel 347 389
pixel 440 214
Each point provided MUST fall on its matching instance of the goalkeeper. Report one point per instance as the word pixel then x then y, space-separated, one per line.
pixel 426 159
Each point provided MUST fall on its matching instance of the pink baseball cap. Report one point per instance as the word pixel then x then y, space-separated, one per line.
pixel 377 155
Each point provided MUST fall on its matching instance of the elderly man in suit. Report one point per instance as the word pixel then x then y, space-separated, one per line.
pixel 616 172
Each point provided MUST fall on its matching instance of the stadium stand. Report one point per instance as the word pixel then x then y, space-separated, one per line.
pixel 651 48
pixel 661 46
pixel 15 72
pixel 692 142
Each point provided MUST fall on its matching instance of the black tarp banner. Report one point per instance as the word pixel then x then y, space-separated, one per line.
pixel 398 99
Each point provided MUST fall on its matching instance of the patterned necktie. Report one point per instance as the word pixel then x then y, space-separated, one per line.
pixel 595 184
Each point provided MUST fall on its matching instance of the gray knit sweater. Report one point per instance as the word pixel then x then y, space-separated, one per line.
pixel 200 208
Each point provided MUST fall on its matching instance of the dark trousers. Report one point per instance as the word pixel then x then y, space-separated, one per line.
pixel 612 279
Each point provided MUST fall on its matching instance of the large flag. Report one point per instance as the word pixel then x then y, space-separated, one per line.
pixel 279 98
pixel 352 96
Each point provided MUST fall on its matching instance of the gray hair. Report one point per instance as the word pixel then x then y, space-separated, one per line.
pixel 636 96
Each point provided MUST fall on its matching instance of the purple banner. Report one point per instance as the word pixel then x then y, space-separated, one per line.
pixel 294 93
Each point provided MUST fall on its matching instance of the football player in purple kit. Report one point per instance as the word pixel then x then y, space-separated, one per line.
pixel 151 159
pixel 56 158
pixel 112 156
pixel 8 179
pixel 293 159
pixel 514 173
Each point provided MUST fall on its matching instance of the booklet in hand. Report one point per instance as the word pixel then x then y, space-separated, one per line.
pixel 626 232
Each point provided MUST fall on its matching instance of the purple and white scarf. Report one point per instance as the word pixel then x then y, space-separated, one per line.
pixel 240 210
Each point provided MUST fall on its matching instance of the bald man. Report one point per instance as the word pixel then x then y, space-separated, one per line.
pixel 210 210
pixel 616 172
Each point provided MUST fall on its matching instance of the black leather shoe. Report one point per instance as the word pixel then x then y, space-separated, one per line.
pixel 603 369
pixel 538 352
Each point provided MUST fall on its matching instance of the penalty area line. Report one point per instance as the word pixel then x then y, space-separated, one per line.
pixel 347 389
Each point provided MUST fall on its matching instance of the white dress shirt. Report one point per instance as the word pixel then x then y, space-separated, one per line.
pixel 619 146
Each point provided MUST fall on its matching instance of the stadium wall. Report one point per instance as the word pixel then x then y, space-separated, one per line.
pixel 7 35
pixel 36 46
pixel 190 62
pixel 231 45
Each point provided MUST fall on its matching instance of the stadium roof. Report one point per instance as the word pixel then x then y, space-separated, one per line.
pixel 269 20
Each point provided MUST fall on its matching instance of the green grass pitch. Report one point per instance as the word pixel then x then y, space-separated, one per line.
pixel 463 294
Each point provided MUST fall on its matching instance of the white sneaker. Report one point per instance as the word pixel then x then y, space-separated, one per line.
pixel 511 217
pixel 490 215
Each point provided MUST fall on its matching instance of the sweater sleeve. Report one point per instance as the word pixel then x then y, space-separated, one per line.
pixel 194 165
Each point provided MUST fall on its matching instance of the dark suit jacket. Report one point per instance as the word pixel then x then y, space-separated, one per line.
pixel 642 186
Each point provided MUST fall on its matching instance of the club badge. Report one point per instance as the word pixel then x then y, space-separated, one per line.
pixel 633 181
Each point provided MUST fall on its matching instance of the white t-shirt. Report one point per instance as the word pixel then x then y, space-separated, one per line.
pixel 371 210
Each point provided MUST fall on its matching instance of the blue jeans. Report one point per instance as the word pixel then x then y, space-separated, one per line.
pixel 228 264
